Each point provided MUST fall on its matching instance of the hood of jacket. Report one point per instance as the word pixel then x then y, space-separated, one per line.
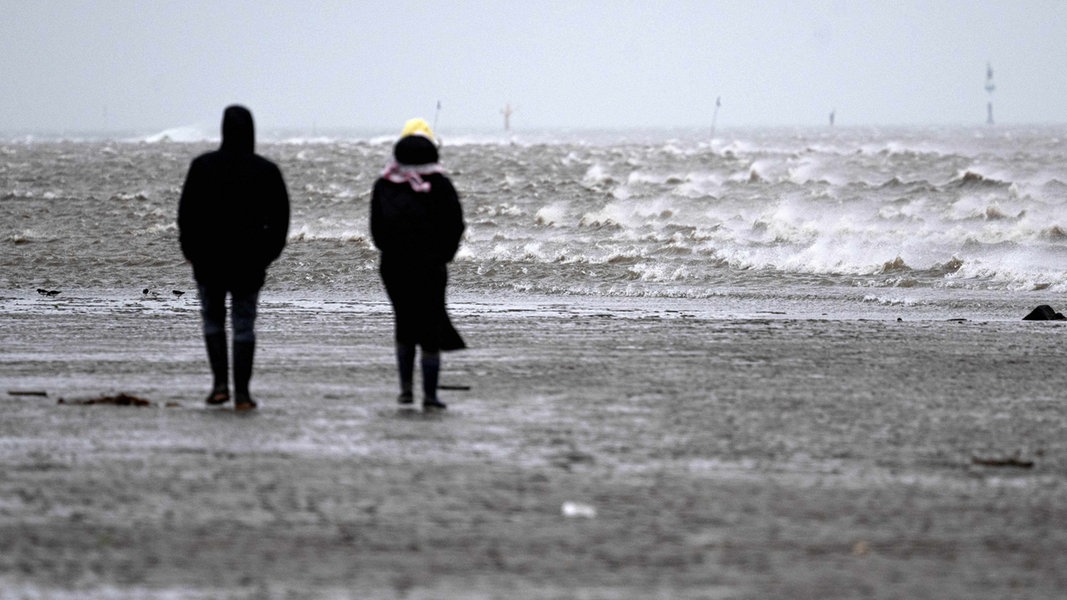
pixel 238 131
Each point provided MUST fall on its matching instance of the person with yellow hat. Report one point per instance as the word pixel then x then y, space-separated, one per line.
pixel 416 222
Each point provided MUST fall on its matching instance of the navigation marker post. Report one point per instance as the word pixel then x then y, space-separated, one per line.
pixel 989 87
pixel 715 115
pixel 507 112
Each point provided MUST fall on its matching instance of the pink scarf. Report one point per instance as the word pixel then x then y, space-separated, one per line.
pixel 411 174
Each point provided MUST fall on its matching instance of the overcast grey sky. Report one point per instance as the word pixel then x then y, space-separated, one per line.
pixel 149 65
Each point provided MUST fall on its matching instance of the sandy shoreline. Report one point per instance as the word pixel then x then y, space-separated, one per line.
pixel 741 457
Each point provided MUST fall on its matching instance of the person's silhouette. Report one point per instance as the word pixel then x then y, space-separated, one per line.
pixel 416 222
pixel 233 219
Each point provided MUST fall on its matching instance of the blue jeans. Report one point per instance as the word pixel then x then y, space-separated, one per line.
pixel 213 310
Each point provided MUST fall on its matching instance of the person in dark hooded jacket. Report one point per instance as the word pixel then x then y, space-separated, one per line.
pixel 233 219
pixel 416 222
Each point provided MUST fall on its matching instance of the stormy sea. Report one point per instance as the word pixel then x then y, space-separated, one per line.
pixel 962 221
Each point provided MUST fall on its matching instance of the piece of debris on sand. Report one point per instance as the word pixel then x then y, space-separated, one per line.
pixel 1044 313
pixel 119 400
pixel 1011 461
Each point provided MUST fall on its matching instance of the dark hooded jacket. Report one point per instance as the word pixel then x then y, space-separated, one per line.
pixel 233 216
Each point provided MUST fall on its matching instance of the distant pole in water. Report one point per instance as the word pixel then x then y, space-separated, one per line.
pixel 507 112
pixel 435 115
pixel 989 87
pixel 715 115
pixel 832 112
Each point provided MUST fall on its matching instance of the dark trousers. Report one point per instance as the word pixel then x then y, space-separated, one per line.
pixel 213 311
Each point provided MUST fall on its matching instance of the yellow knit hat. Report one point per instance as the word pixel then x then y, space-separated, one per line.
pixel 417 127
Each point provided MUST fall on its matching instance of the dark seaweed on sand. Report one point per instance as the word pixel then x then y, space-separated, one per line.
pixel 119 400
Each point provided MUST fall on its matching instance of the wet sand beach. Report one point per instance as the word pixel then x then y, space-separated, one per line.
pixel 606 448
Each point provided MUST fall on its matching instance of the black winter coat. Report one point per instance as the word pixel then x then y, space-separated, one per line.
pixel 233 216
pixel 416 228
pixel 418 233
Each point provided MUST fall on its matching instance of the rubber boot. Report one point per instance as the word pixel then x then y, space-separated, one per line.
pixel 243 354
pixel 405 364
pixel 431 371
pixel 220 368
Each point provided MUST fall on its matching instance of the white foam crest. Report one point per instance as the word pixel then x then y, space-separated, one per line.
pixel 661 272
pixel 570 159
pixel 184 134
pixel 632 214
pixel 890 300
pixel 597 174
pixel 764 169
pixel 984 207
pixel 333 191
pixel 697 184
pixel 381 140
pixel 325 229
pixel 795 219
pixel 810 170
pixel 306 140
pixel 673 148
pixel 28 235
pixel 738 147
pixel 1021 270
pixel 912 210
pixel 553 214
pixel 500 210
pixel 537 251
pixel 921 146
pixel 613 213
pixel 641 177
pixel 162 227
pixel 822 256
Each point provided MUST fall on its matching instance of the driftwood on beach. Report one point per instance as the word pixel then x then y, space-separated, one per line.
pixel 118 400
pixel 1011 461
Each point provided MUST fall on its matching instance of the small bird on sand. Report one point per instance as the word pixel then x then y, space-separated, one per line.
pixel 177 293
pixel 48 292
